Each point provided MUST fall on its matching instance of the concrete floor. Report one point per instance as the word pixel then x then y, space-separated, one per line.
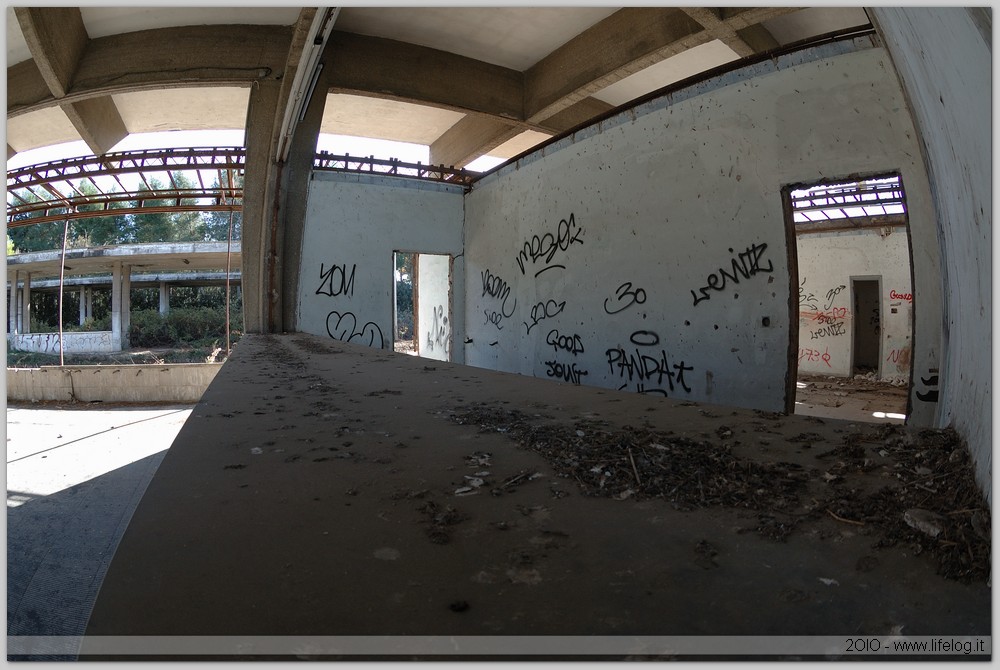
pixel 298 498
pixel 74 476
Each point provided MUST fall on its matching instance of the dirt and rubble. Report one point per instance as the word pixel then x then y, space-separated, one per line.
pixel 915 487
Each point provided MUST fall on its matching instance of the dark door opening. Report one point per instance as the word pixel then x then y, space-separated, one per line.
pixel 867 325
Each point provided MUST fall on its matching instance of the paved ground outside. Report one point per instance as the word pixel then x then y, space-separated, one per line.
pixel 75 474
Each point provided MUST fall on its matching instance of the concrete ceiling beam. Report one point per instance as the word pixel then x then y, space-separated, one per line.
pixel 57 40
pixel 11 152
pixel 471 138
pixel 385 68
pixel 233 55
pixel 624 43
pixel 576 114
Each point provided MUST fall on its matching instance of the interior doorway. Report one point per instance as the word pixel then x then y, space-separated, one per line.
pixel 423 304
pixel 850 355
pixel 867 335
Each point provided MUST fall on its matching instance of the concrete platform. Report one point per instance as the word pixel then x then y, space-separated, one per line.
pixel 313 492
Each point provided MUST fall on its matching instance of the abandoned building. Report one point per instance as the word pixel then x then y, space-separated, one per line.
pixel 598 436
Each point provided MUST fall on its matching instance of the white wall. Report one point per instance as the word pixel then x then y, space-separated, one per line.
pixel 635 219
pixel 90 342
pixel 946 68
pixel 353 225
pixel 827 262
pixel 432 329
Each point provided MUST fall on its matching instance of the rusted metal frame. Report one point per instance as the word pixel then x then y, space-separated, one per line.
pixel 851 223
pixel 108 210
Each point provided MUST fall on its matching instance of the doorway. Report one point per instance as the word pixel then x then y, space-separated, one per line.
pixel 867 335
pixel 423 304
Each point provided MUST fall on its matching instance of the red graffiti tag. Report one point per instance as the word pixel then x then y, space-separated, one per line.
pixel 908 297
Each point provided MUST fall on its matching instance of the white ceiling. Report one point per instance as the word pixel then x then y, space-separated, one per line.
pixel 512 37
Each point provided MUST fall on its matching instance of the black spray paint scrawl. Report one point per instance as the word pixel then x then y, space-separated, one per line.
pixel 745 264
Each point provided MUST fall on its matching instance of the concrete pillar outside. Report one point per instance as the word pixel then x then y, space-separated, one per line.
pixel 116 307
pixel 12 326
pixel 126 303
pixel 26 304
pixel 83 304
pixel 90 303
pixel 164 298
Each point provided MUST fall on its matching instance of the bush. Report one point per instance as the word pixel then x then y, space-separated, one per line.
pixel 182 326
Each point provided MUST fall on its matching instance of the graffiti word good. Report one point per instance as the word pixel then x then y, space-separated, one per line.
pixel 335 281
pixel 746 264
pixel 832 330
pixel 495 287
pixel 440 333
pixel 571 343
pixel 565 372
pixel 626 297
pixel 813 355
pixel 494 317
pixel 344 327
pixel 644 368
pixel 832 294
pixel 806 299
pixel 544 248
pixel 544 310
pixel 908 297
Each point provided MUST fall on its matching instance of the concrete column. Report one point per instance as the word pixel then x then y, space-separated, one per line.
pixel 164 298
pixel 26 304
pixel 90 303
pixel 116 307
pixel 12 326
pixel 126 303
pixel 83 304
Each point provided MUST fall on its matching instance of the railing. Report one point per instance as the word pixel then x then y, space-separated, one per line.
pixel 167 180
pixel 847 200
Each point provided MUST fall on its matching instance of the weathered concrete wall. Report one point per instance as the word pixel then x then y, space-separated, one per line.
pixel 94 342
pixel 827 263
pixel 945 64
pixel 183 382
pixel 649 252
pixel 354 223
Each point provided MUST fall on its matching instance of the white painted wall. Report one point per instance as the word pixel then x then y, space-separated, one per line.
pixel 662 198
pixel 353 225
pixel 432 329
pixel 90 342
pixel 827 263
pixel 945 65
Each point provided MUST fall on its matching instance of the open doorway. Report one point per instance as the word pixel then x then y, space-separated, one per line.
pixel 849 245
pixel 423 309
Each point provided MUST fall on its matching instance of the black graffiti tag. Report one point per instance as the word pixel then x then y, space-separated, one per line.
pixel 571 343
pixel 335 281
pixel 496 287
pixel 564 371
pixel 344 327
pixel 544 310
pixel 545 247
pixel 832 294
pixel 440 333
pixel 626 297
pixel 643 368
pixel 493 317
pixel 745 264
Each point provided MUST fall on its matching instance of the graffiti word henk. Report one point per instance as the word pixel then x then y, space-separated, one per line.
pixel 832 330
pixel 335 281
pixel 544 248
pixel 746 264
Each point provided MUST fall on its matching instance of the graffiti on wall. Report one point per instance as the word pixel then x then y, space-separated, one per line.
pixel 624 298
pixel 814 355
pixel 336 281
pixel 745 264
pixel 646 368
pixel 497 288
pixel 930 382
pixel 893 295
pixel 344 327
pixel 544 310
pixel 439 335
pixel 546 247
